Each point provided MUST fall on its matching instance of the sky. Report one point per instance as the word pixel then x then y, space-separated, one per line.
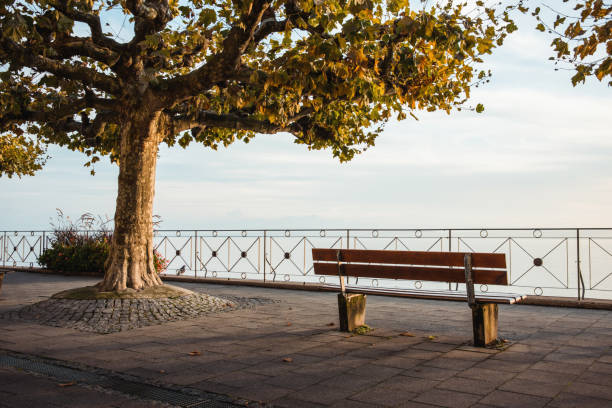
pixel 539 156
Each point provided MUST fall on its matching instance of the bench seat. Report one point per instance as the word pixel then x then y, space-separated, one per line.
pixel 499 298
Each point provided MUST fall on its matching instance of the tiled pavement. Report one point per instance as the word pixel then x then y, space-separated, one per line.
pixel 289 354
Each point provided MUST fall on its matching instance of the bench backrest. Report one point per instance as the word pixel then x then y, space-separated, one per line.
pixel 487 268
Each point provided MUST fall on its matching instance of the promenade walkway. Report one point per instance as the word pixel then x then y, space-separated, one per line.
pixel 289 353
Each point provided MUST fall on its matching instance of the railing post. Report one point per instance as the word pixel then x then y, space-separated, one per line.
pixel 578 274
pixel 264 265
pixel 450 246
pixel 348 244
pixel 4 250
pixel 195 254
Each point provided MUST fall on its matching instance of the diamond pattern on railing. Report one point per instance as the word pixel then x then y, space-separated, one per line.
pixel 541 260
pixel 23 250
pixel 176 251
pixel 243 253
pixel 598 246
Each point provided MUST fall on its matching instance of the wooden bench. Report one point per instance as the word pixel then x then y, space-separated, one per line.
pixel 456 267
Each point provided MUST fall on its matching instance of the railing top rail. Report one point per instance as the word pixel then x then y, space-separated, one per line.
pixel 12 231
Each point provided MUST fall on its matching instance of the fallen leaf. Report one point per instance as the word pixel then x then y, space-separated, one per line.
pixel 288 323
pixel 287 360
pixel 331 324
pixel 68 384
pixel 195 353
pixel 407 334
pixel 162 371
pixel 431 337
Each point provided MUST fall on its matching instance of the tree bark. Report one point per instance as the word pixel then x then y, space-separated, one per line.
pixel 130 262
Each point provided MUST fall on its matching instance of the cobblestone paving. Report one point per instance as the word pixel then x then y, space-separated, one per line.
pixel 113 315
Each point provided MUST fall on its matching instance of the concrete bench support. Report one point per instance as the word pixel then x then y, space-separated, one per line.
pixel 351 307
pixel 484 319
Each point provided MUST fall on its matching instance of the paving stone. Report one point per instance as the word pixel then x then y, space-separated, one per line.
pixel 566 358
pixel 381 395
pixel 484 374
pixel 512 400
pixel 531 387
pixel 288 402
pixel 346 403
pixel 410 384
pixel 468 385
pixel 502 365
pixel 263 392
pixel 376 371
pixel 294 381
pixel 419 354
pixel 591 390
pixel 548 377
pixel 559 367
pixel 601 368
pixel 432 373
pixel 518 357
pixel 434 346
pixel 593 377
pixel 452 363
pixel 567 400
pixel 444 398
pixel 466 355
pixel 322 394
pixel 413 404
pixel 398 362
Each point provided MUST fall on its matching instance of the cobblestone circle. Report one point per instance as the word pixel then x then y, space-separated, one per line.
pixel 113 315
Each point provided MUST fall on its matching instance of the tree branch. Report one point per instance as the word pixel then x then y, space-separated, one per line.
pixel 222 65
pixel 150 16
pixel 205 119
pixel 60 113
pixel 93 21
pixel 23 57
pixel 74 46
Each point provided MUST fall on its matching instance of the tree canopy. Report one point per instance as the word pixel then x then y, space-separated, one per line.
pixel 327 72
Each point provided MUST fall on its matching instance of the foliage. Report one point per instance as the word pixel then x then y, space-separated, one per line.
pixel 20 155
pixel 583 37
pixel 85 256
pixel 161 263
pixel 78 245
pixel 361 330
pixel 83 245
pixel 330 73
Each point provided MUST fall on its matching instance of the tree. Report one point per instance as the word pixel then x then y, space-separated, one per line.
pixel 329 73
pixel 583 37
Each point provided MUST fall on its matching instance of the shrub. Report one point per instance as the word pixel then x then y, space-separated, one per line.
pixel 83 246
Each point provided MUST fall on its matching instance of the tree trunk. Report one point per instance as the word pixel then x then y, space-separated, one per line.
pixel 130 262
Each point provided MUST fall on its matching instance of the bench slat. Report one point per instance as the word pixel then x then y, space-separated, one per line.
pixel 479 260
pixel 434 295
pixel 481 276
